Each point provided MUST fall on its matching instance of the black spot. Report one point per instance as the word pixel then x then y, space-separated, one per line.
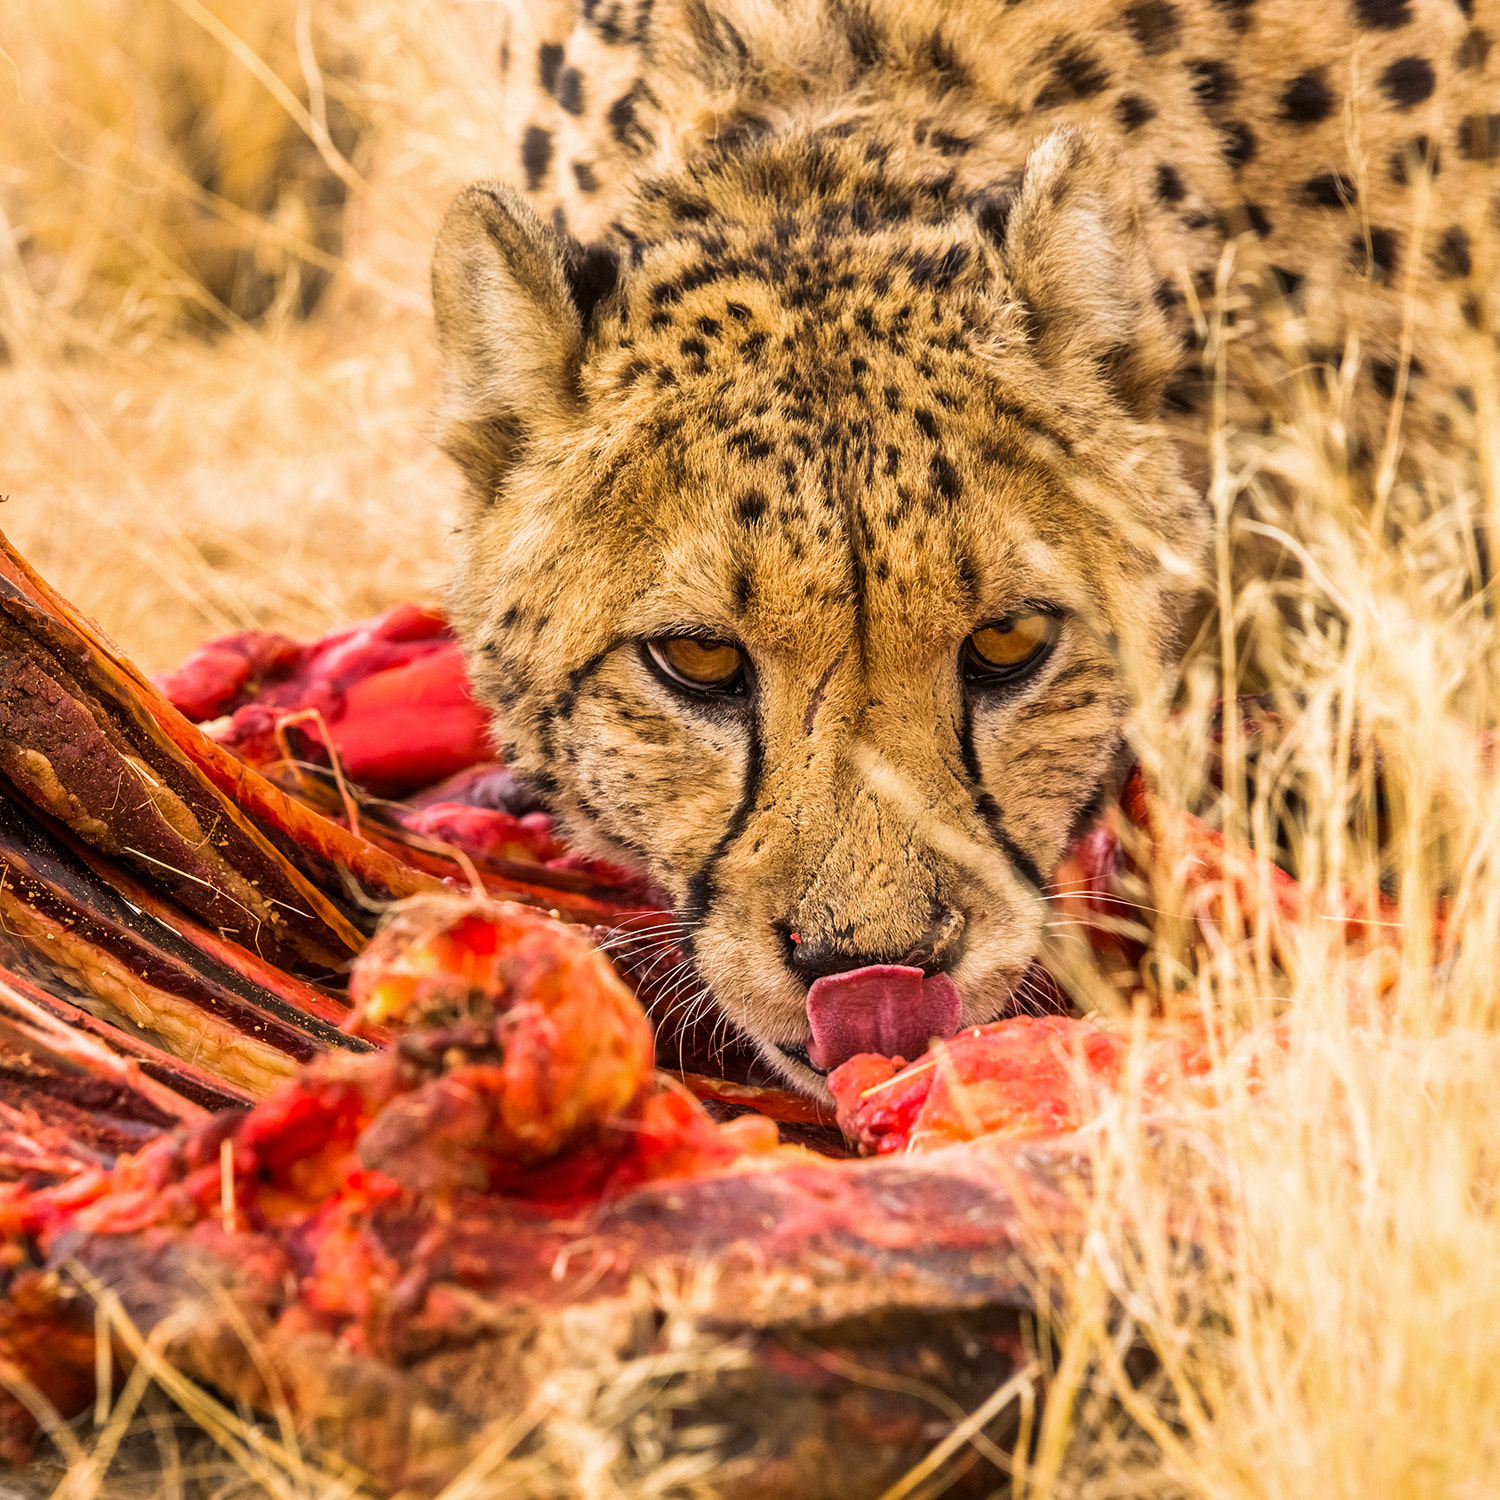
pixel 611 25
pixel 1474 51
pixel 1183 396
pixel 1408 161
pixel 536 155
pixel 592 272
pixel 1382 15
pixel 1383 375
pixel 1237 12
pixel 929 269
pixel 1408 81
pixel 1331 189
pixel 1154 25
pixel 926 421
pixel 1286 281
pixel 738 311
pixel 1239 143
pixel 945 60
pixel 1452 256
pixel 1214 82
pixel 623 124
pixel 548 60
pixel 633 371
pixel 583 175
pixel 570 90
pixel 939 187
pixel 739 135
pixel 1479 138
pixel 1170 187
pixel 1255 216
pixel 952 145
pixel 510 616
pixel 1132 112
pixel 708 327
pixel 866 38
pixel 694 348
pixel 751 507
pixel 992 213
pixel 1307 99
pixel 753 346
pixel 748 444
pixel 1377 256
pixel 945 478
pixel 1077 74
pixel 1464 395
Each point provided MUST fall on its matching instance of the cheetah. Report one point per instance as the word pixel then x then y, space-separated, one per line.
pixel 826 387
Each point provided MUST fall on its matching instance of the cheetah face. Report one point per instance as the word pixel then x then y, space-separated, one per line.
pixel 800 565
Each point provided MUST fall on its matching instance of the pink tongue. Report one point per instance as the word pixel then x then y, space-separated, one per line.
pixel 885 1008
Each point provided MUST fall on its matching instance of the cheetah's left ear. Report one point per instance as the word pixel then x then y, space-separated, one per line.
pixel 512 301
pixel 1076 255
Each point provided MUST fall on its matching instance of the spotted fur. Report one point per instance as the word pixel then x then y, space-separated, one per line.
pixel 839 328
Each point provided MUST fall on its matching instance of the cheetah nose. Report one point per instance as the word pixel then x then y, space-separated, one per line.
pixel 886 1008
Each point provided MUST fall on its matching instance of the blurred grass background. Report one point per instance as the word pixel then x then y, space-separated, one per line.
pixel 215 223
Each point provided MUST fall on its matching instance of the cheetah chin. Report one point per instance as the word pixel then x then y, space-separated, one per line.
pixel 832 419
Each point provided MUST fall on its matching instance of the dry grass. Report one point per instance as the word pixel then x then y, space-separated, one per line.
pixel 185 453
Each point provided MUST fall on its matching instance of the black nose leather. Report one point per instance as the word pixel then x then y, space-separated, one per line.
pixel 938 949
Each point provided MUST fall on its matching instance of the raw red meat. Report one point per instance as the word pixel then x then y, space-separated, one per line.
pixel 1035 1076
pixel 522 1066
pixel 487 830
pixel 392 692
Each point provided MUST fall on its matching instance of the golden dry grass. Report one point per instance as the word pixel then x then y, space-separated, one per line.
pixel 184 454
pixel 179 470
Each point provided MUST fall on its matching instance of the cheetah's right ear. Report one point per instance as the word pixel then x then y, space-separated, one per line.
pixel 510 329
pixel 1075 253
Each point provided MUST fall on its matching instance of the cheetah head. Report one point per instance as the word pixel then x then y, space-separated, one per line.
pixel 806 554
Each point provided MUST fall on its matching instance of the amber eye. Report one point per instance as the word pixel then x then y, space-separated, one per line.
pixel 705 666
pixel 1007 648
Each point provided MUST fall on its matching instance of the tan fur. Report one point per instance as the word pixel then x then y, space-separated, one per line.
pixel 885 316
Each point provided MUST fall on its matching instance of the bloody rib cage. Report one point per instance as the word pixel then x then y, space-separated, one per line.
pixel 400 1209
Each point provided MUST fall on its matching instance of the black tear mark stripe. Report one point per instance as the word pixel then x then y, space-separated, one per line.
pixel 1024 864
pixel 988 809
pixel 703 886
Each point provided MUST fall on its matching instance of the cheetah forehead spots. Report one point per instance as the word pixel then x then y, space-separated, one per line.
pixel 843 479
